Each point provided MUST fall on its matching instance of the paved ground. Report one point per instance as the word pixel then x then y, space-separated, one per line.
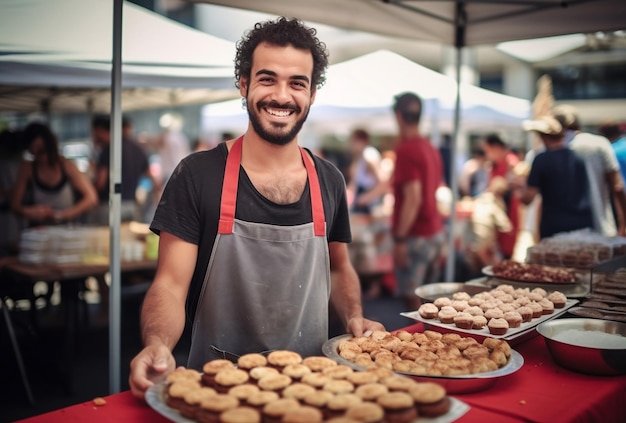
pixel 91 373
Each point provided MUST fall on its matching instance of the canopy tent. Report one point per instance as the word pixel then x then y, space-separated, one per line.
pixel 453 22
pixel 457 23
pixel 63 61
pixel 81 55
pixel 359 92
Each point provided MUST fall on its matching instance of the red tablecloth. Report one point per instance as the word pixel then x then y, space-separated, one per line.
pixel 123 407
pixel 539 392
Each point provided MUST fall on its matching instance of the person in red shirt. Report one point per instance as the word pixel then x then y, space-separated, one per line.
pixel 417 225
pixel 503 161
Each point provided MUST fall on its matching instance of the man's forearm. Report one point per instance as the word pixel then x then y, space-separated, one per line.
pixel 346 294
pixel 162 321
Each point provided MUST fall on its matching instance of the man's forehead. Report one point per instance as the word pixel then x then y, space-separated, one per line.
pixel 285 58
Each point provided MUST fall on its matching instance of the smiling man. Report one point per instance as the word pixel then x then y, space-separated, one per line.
pixel 254 233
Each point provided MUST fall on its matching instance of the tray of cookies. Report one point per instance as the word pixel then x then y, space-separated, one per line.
pixel 311 389
pixel 502 312
pixel 459 364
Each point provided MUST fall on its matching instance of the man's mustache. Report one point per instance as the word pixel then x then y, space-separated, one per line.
pixel 276 105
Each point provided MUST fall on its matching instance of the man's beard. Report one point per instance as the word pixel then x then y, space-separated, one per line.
pixel 275 135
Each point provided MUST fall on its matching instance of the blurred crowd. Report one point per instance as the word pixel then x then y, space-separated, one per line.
pixel 39 186
pixel 508 198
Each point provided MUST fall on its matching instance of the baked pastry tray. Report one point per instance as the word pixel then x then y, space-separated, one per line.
pixel 156 395
pixel 460 384
pixel 576 290
pixel 513 334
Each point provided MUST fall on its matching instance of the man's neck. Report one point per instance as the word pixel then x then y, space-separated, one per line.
pixel 410 131
pixel 257 153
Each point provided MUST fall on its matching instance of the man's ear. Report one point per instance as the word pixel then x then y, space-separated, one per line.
pixel 313 94
pixel 243 86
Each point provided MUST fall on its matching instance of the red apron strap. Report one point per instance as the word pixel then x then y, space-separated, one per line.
pixel 317 205
pixel 231 182
pixel 229 188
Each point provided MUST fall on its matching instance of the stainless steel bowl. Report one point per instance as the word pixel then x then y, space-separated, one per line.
pixel 462 384
pixel 572 355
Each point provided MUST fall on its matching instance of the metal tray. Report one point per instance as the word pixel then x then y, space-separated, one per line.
pixel 577 290
pixel 596 313
pixel 461 384
pixel 155 397
pixel 526 328
pixel 488 271
pixel 432 291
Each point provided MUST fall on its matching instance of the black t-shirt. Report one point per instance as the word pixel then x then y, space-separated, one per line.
pixel 190 207
pixel 561 178
pixel 134 165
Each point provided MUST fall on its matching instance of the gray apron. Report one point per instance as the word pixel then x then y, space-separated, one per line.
pixel 266 287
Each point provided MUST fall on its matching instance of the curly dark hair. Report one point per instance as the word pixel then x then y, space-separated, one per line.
pixel 282 32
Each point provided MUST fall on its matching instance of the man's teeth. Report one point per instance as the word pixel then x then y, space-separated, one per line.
pixel 279 113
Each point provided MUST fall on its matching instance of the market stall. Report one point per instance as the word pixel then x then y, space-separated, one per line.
pixel 533 383
pixel 539 391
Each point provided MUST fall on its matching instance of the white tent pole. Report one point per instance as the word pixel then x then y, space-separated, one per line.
pixel 115 188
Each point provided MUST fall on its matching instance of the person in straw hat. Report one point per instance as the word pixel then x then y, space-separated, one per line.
pixel 559 175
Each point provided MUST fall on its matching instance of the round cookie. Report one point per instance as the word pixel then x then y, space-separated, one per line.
pixel 430 398
pixel 251 360
pixel 243 392
pixel 226 379
pixel 371 391
pixel 282 358
pixel 338 372
pixel 259 372
pixel 296 371
pixel 338 404
pixel 368 412
pixel 399 407
pixel 176 392
pixel 213 406
pixel 298 391
pixel 210 369
pixel 303 414
pixel 192 400
pixel 338 386
pixel 274 382
pixel 318 398
pixel 240 415
pixel 261 398
pixel 182 373
pixel 275 410
pixel 316 380
pixel 318 363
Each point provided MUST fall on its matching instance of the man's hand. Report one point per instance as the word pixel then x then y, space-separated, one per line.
pixel 150 366
pixel 360 326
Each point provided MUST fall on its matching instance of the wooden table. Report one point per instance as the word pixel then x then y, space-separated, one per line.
pixel 540 391
pixel 72 279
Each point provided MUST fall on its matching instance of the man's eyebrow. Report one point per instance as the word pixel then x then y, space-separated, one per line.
pixel 272 73
pixel 265 72
pixel 301 78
